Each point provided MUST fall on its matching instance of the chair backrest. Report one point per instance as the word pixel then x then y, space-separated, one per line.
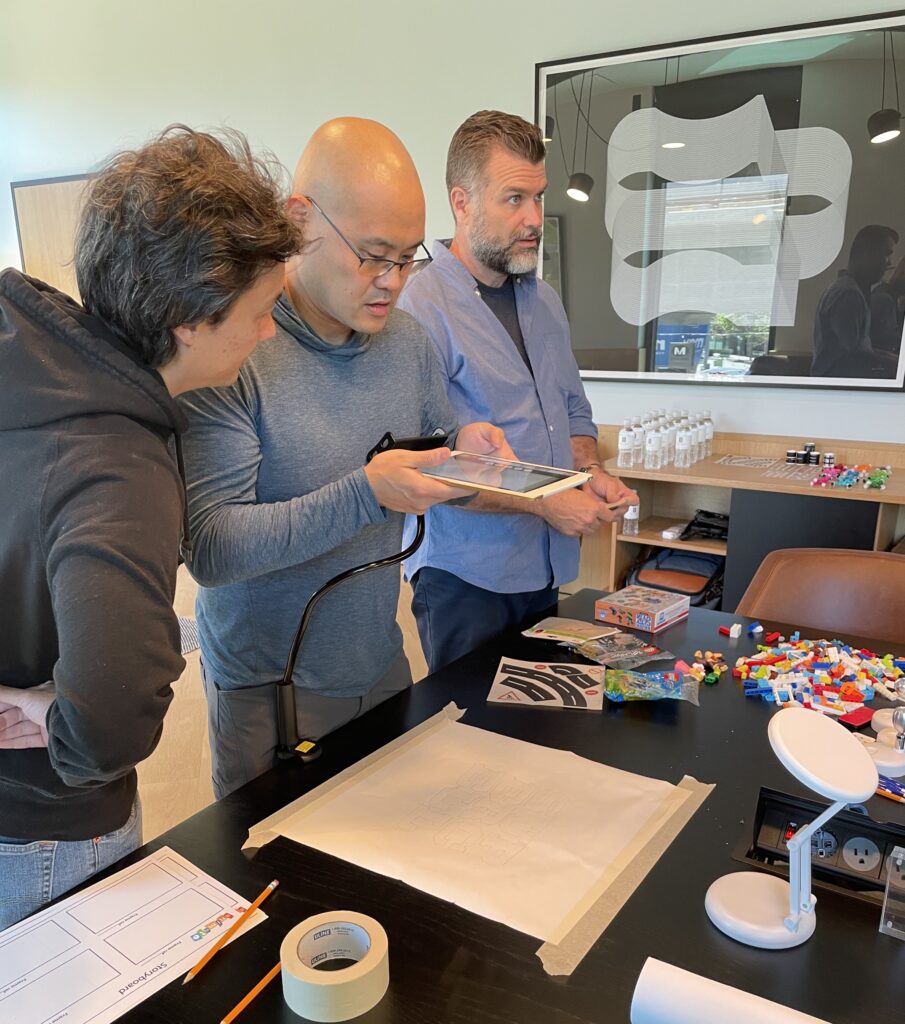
pixel 831 590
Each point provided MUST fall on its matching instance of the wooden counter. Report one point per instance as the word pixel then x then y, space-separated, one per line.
pixel 775 504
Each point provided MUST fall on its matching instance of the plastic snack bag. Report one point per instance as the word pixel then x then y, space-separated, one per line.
pixel 620 685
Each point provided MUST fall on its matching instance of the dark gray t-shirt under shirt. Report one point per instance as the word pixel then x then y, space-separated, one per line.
pixel 501 302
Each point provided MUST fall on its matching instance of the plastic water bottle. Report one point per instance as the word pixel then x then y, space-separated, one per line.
pixel 671 441
pixel 708 437
pixel 637 443
pixel 697 439
pixel 653 448
pixel 625 446
pixel 683 448
pixel 630 521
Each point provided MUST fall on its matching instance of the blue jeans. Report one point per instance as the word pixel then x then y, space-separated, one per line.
pixel 454 617
pixel 34 872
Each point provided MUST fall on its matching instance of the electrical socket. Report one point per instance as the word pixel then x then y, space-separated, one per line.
pixel 890 870
pixel 861 854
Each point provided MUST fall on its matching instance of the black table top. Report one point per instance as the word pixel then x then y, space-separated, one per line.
pixel 449 965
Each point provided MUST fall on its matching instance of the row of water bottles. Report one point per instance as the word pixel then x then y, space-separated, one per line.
pixel 659 439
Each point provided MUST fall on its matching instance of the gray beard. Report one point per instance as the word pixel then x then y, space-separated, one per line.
pixel 500 258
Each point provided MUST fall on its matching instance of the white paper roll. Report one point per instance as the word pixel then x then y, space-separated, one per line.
pixel 342 994
pixel 668 995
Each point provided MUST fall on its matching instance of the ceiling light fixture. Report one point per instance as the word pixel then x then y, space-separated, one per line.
pixel 884 124
pixel 580 185
pixel 580 182
pixel 676 144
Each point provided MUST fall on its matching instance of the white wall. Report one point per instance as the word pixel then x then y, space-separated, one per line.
pixel 80 79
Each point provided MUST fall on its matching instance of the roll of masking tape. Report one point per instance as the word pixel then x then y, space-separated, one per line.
pixel 339 994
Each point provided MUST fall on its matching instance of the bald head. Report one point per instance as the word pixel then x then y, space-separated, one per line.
pixel 351 162
pixel 355 193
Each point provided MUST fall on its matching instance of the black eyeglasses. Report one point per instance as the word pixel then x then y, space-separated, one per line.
pixel 377 266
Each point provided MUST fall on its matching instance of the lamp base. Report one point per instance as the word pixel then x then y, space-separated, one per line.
pixel 882 719
pixel 751 907
pixel 885 756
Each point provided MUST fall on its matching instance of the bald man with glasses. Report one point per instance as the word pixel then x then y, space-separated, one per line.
pixel 280 497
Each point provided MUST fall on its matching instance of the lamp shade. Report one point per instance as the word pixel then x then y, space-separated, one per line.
pixel 549 128
pixel 883 125
pixel 580 185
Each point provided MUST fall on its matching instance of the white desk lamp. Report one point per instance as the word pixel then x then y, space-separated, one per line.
pixel 760 909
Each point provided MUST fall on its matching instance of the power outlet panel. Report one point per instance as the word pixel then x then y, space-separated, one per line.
pixel 851 850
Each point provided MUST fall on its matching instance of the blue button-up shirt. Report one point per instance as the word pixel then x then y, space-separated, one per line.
pixel 487 379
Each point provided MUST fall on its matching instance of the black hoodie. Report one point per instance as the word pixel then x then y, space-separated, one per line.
pixel 91 512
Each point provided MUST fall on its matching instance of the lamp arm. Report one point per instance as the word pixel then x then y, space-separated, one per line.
pixel 801 901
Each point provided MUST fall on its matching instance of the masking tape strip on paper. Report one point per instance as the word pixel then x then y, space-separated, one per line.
pixel 269 828
pixel 665 994
pixel 337 995
pixel 564 952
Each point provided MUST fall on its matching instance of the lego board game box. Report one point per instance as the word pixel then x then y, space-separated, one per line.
pixel 641 608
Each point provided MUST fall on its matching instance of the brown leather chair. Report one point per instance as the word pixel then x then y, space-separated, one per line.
pixel 831 591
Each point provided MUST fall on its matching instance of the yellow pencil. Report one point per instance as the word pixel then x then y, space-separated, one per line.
pixel 225 937
pixel 889 795
pixel 261 985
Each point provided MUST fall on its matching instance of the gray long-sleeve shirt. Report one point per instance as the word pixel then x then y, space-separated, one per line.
pixel 279 502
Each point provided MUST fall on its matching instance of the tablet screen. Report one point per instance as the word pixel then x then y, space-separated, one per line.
pixel 508 476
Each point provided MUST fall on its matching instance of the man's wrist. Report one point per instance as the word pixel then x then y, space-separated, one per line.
pixel 590 467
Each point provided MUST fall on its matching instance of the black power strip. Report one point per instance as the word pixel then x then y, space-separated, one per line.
pixel 851 852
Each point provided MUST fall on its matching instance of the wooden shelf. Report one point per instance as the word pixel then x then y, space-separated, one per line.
pixel 709 473
pixel 649 533
pixel 669 496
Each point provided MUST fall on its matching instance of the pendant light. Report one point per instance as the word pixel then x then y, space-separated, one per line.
pixel 580 182
pixel 884 124
pixel 580 185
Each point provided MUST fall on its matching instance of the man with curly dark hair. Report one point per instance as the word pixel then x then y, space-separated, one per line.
pixel 179 259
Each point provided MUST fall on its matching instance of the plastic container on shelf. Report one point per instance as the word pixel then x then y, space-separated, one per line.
pixel 653 449
pixel 708 436
pixel 631 521
pixel 683 448
pixel 625 446
pixel 700 440
pixel 638 443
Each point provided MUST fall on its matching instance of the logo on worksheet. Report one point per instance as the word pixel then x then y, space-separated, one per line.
pixel 206 929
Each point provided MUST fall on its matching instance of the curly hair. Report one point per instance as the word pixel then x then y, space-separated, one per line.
pixel 470 147
pixel 172 233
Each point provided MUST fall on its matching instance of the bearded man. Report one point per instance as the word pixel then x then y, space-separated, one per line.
pixel 503 343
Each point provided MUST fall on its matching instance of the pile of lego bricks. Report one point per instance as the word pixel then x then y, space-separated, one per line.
pixel 826 675
pixel 870 477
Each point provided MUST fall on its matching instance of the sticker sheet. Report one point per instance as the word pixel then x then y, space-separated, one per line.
pixel 543 685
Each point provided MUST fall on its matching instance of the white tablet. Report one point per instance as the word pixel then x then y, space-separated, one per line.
pixel 487 473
